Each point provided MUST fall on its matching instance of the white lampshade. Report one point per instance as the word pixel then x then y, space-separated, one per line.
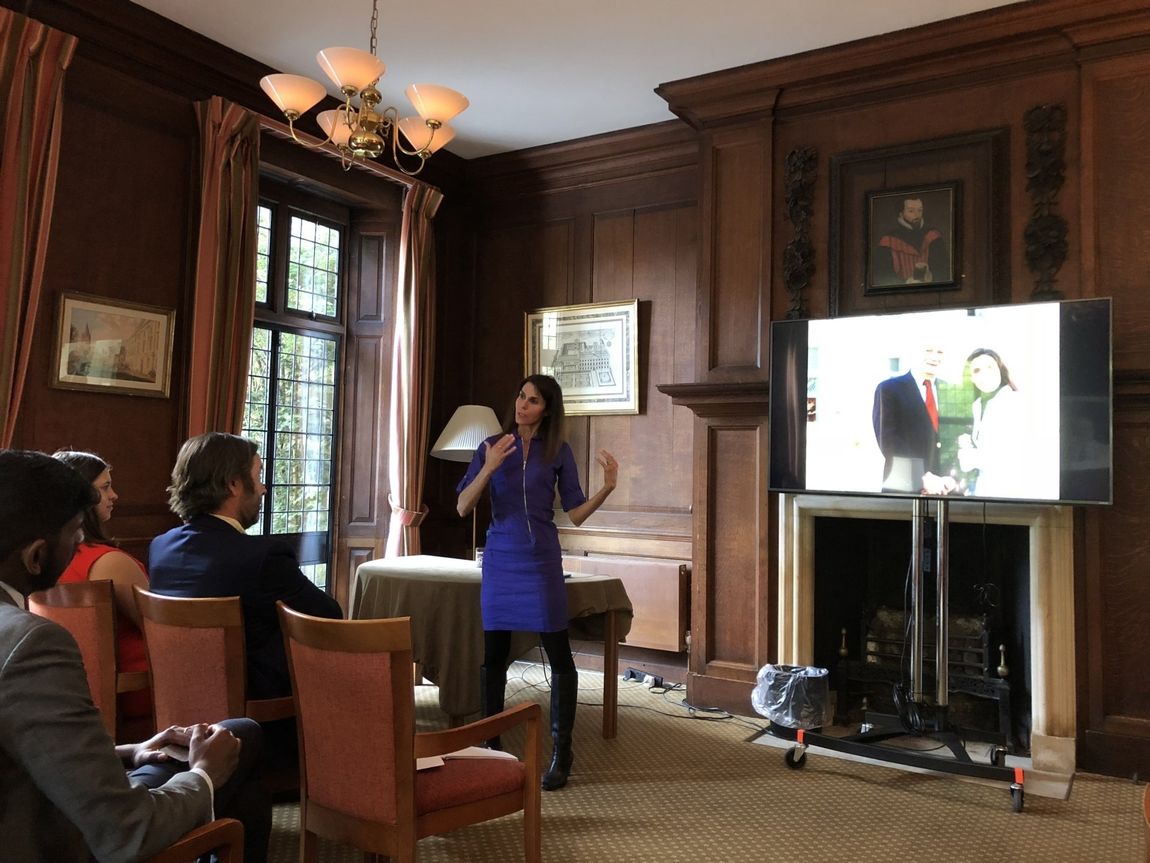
pixel 334 126
pixel 350 67
pixel 434 102
pixel 418 133
pixel 468 427
pixel 292 93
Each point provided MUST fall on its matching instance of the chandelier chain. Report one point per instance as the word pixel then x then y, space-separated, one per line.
pixel 374 24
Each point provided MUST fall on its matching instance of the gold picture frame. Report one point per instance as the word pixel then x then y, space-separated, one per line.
pixel 592 350
pixel 113 346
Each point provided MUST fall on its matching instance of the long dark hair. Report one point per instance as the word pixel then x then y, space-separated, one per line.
pixel 89 466
pixel 551 427
pixel 1003 372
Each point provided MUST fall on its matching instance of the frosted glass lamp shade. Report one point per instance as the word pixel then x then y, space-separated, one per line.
pixel 334 126
pixel 293 94
pixel 418 133
pixel 434 102
pixel 468 427
pixel 350 67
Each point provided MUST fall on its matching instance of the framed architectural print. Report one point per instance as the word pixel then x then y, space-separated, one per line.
pixel 113 346
pixel 592 350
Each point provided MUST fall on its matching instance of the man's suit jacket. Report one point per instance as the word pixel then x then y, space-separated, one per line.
pixel 209 557
pixel 904 433
pixel 63 790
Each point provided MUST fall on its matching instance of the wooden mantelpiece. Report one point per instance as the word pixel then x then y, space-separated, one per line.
pixel 720 399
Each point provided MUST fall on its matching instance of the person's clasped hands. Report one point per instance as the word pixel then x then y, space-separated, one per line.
pixel 211 748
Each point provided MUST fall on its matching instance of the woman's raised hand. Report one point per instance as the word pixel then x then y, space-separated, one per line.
pixel 498 451
pixel 610 468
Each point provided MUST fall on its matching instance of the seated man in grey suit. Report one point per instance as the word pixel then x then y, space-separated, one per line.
pixel 216 490
pixel 64 793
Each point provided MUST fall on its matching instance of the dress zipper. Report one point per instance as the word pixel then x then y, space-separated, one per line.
pixel 526 514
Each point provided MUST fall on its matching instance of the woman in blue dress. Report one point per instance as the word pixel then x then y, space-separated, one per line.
pixel 523 588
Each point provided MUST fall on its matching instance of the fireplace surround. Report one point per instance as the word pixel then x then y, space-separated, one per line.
pixel 1051 568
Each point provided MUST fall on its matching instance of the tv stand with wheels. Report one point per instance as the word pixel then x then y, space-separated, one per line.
pixel 919 716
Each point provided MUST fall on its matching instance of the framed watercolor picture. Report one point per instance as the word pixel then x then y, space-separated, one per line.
pixel 113 346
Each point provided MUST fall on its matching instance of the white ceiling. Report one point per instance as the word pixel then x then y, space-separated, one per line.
pixel 541 71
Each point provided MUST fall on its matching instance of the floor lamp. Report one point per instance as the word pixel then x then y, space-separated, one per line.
pixel 468 427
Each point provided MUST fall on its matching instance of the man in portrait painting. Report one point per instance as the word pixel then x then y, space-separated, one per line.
pixel 910 252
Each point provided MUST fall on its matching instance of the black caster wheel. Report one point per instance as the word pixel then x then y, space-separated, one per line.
pixel 795 758
pixel 1016 798
pixel 998 756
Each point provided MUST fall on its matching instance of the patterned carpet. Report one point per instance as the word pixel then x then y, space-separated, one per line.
pixel 677 785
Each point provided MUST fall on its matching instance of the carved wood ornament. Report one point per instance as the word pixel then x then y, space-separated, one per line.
pixel 799 173
pixel 1045 233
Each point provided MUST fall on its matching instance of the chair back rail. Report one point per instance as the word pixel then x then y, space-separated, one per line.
pixel 86 610
pixel 196 655
pixel 354 692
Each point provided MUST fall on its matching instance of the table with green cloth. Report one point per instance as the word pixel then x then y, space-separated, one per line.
pixel 441 596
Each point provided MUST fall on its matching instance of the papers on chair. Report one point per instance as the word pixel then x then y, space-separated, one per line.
pixel 466 752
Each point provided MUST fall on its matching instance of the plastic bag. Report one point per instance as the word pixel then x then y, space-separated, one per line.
pixel 793 696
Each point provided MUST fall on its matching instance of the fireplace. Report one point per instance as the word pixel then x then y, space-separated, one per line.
pixel 862 569
pixel 1049 564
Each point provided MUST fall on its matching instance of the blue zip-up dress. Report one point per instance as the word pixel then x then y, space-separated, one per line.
pixel 523 586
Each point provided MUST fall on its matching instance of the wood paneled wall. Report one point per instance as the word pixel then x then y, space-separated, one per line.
pixel 970 75
pixel 124 227
pixel 690 219
pixel 598 220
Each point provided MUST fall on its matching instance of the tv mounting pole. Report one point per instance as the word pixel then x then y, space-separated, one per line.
pixel 941 567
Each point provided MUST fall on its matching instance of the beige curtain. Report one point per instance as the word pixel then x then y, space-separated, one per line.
pixel 33 58
pixel 221 325
pixel 412 357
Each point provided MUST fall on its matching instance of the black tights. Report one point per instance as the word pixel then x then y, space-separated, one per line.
pixel 497 649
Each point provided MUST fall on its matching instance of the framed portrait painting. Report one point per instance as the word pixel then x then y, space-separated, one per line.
pixel 911 238
pixel 592 350
pixel 113 346
pixel 920 225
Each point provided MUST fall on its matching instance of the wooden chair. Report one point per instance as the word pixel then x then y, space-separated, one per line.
pixel 355 702
pixel 87 610
pixel 224 837
pixel 198 661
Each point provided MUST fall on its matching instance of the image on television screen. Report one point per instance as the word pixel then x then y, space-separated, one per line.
pixel 1005 402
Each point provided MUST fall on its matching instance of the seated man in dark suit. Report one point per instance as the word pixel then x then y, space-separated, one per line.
pixel 64 793
pixel 216 490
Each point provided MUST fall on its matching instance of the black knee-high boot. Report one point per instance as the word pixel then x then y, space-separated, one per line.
pixel 564 695
pixel 494 685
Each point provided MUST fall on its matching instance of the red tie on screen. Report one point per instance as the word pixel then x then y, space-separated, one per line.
pixel 931 407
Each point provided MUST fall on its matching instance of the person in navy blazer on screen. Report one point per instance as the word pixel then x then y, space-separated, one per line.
pixel 216 490
pixel 905 432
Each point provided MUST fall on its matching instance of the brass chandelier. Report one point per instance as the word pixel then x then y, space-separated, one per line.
pixel 363 130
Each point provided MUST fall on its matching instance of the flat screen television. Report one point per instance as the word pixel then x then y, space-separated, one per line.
pixel 1000 403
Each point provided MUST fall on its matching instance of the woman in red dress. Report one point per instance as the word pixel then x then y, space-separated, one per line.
pixel 98 558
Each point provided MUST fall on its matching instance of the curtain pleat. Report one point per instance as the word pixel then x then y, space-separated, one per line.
pixel 33 59
pixel 412 362
pixel 225 283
